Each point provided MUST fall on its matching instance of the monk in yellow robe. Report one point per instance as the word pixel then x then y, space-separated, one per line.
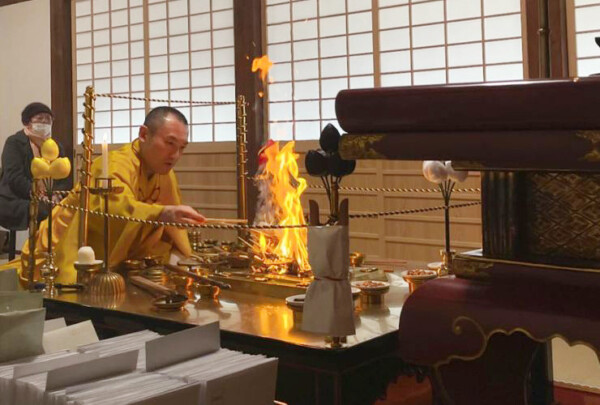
pixel 144 168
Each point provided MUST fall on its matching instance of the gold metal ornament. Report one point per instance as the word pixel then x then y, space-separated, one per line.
pixel 594 138
pixel 86 169
pixel 106 282
pixel 242 156
pixel 360 147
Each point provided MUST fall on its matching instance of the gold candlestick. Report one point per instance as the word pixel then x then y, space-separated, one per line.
pixel 33 228
pixel 106 282
pixel 49 270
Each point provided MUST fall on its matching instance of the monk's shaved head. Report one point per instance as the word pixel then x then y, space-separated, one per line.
pixel 162 139
pixel 157 116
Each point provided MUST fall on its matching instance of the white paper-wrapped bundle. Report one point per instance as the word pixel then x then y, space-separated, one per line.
pixel 328 307
pixel 9 280
pixel 21 334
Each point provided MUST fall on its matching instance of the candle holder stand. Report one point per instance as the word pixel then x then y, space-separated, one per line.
pixel 106 282
pixel 49 270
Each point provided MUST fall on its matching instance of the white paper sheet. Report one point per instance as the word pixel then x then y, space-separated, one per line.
pixel 53 324
pixel 70 337
pixel 44 366
pixel 183 345
pixel 93 369
pixel 254 384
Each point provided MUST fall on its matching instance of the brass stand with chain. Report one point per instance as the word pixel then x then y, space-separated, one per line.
pixel 106 282
pixel 242 156
pixel 33 225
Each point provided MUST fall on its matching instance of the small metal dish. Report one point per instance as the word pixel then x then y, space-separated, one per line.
pixel 372 292
pixel 170 302
pixel 131 267
pixel 416 280
pixel 296 304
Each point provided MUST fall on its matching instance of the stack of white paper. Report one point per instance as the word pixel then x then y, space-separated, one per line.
pixel 120 344
pixel 123 389
pixel 70 337
pixel 187 367
pixel 7 373
pixel 225 377
pixel 29 379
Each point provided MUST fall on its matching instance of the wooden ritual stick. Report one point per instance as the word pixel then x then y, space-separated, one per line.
pixel 226 221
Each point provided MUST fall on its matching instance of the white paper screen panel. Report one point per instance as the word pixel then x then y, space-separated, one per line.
pixel 323 46
pixel 175 50
pixel 110 56
pixel 587 27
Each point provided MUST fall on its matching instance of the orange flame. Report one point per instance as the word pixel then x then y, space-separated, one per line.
pixel 285 188
pixel 262 64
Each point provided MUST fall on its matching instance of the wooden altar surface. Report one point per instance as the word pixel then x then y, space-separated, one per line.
pixel 309 371
pixel 255 315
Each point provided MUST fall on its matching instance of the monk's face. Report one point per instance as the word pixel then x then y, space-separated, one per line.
pixel 163 147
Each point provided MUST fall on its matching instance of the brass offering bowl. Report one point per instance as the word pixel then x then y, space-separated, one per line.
pixel 132 267
pixel 416 277
pixel 206 292
pixel 107 283
pixel 165 299
pixel 154 269
pixel 179 281
pixel 170 302
pixel 85 271
pixel 372 292
pixel 356 259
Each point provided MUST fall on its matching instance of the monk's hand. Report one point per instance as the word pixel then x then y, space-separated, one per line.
pixel 182 214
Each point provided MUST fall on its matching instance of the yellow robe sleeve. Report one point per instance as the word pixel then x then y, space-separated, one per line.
pixel 142 198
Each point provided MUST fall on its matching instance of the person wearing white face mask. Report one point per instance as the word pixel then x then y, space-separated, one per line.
pixel 17 154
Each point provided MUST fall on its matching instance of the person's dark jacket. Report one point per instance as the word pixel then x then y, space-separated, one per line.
pixel 16 180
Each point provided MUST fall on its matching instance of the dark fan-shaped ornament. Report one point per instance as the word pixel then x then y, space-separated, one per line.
pixel 338 167
pixel 316 163
pixel 330 139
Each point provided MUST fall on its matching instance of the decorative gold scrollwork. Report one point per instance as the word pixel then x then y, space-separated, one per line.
pixel 594 138
pixel 472 269
pixel 360 146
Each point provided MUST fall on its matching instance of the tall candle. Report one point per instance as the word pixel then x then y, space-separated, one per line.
pixel 105 156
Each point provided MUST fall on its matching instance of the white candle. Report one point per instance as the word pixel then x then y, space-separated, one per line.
pixel 105 156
